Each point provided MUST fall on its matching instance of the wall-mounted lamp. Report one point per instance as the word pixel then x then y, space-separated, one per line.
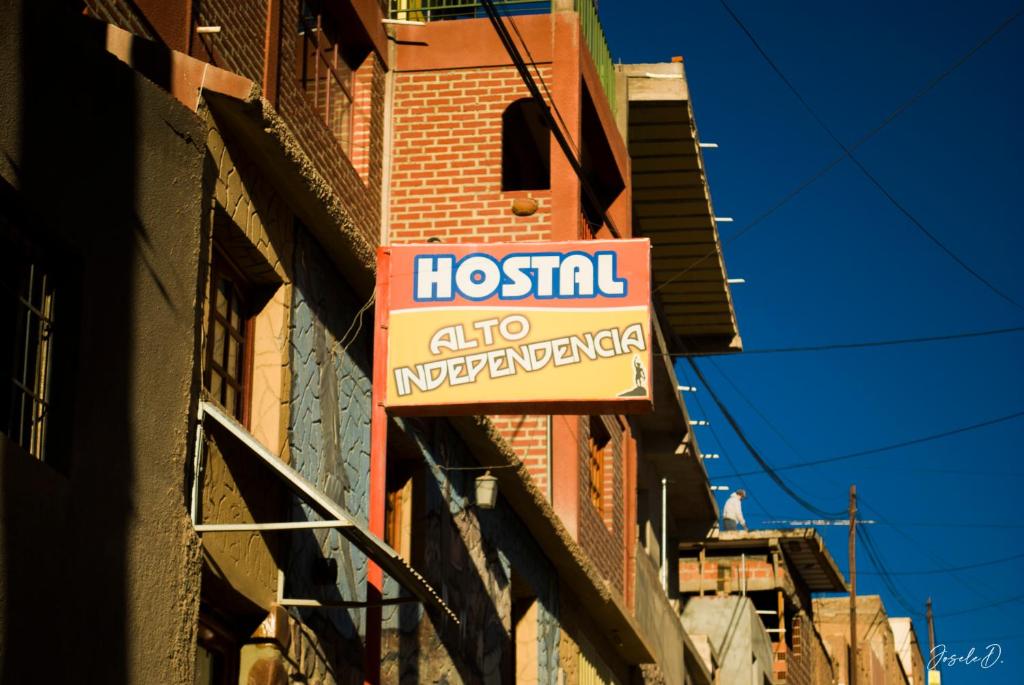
pixel 486 491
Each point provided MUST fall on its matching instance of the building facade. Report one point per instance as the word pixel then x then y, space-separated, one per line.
pixel 194 304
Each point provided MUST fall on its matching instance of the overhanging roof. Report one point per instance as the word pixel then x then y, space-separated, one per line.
pixel 804 551
pixel 672 207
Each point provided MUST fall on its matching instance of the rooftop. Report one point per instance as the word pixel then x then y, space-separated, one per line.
pixel 803 548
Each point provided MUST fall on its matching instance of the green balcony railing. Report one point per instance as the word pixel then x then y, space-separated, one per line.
pixel 590 25
pixel 593 34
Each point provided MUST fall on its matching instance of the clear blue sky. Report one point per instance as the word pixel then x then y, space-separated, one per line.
pixel 840 264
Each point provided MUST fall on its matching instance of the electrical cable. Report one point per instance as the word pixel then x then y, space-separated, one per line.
pixel 873 554
pixel 893 446
pixel 544 85
pixel 531 85
pixel 926 550
pixel 796 497
pixel 869 343
pixel 813 178
pixel 867 174
pixel 728 458
pixel 981 564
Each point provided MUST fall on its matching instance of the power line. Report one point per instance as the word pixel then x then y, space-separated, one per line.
pixel 813 178
pixel 938 560
pixel 867 174
pixel 967 567
pixel 728 459
pixel 871 343
pixel 765 466
pixel 531 85
pixel 876 559
pixel 893 446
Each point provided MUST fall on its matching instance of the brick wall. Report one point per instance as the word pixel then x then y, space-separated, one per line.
pixel 239 47
pixel 122 14
pixel 724 574
pixel 603 545
pixel 807 663
pixel 356 180
pixel 528 437
pixel 446 183
pixel 446 174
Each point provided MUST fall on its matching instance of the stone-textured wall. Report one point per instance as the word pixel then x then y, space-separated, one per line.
pixel 469 557
pixel 329 430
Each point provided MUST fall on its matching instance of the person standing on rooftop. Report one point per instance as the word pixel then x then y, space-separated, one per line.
pixel 732 513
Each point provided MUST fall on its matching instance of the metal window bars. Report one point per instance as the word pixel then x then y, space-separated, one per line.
pixel 32 365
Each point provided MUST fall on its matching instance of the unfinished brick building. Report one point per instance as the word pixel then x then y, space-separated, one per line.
pixel 778 570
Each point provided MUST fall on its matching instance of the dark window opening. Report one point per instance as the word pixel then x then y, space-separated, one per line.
pixel 217 653
pixel 38 311
pixel 525 147
pixel 599 166
pixel 599 439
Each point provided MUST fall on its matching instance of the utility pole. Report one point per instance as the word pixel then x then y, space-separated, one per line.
pixel 853 585
pixel 931 628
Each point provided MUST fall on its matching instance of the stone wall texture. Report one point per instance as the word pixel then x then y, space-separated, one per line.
pixel 329 433
pixel 470 557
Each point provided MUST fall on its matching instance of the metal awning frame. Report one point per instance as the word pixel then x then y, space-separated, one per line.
pixel 334 516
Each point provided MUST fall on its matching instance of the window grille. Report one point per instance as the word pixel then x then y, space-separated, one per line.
pixel 31 297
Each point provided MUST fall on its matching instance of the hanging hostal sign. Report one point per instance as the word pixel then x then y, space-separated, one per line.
pixel 517 327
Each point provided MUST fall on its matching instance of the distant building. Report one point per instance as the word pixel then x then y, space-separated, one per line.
pixel 909 649
pixel 880 643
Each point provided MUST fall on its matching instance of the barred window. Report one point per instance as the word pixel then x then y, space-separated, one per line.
pixel 28 300
pixel 325 73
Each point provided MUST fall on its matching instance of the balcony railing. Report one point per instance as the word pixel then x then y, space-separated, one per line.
pixel 590 25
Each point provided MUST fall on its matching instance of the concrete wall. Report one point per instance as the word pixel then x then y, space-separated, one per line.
pixel 733 626
pixel 99 164
pixel 659 621
pixel 908 649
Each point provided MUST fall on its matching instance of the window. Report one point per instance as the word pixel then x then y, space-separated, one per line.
pixel 325 71
pixel 525 147
pixel 599 439
pixel 229 339
pixel 29 299
pixel 216 653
